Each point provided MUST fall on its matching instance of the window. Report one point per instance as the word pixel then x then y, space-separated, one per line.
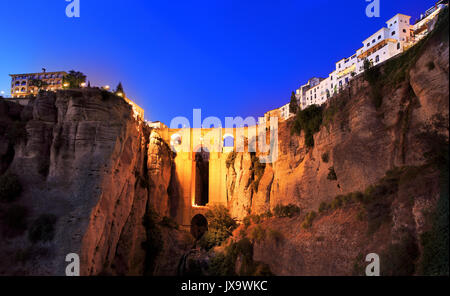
pixel 398 45
pixel 393 33
pixel 404 30
pixel 368 44
pixel 379 37
pixel 377 59
pixel 373 41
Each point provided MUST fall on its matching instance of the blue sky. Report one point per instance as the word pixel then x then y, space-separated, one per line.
pixel 227 57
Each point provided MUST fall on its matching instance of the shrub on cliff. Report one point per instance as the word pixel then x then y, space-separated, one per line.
pixel 293 106
pixel 275 235
pixel 43 228
pixel 220 227
pixel 74 79
pixel 435 242
pixel 258 170
pixel 10 187
pixel 307 222
pixel 258 233
pixel 332 174
pixel 247 221
pixel 323 207
pixel 309 121
pixel 289 211
pixel 224 264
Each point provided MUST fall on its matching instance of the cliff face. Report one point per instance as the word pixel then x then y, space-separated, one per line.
pixel 338 240
pixel 87 161
pixel 97 182
pixel 360 142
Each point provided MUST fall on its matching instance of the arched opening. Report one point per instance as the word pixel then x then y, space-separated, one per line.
pixel 228 140
pixel 199 225
pixel 201 176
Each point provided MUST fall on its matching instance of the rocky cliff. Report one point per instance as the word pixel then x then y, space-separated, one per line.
pixel 359 141
pixel 80 174
pixel 82 158
pixel 371 128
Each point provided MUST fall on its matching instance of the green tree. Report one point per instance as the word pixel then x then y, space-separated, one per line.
pixel 119 89
pixel 293 106
pixel 367 65
pixel 220 227
pixel 38 83
pixel 309 120
pixel 74 79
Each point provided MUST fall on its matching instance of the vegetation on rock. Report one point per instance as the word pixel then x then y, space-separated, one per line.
pixel 289 211
pixel 309 121
pixel 74 79
pixel 220 227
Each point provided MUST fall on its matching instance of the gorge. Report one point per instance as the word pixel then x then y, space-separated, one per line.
pixel 100 183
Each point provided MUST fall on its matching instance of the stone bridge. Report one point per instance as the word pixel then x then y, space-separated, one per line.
pixel 200 174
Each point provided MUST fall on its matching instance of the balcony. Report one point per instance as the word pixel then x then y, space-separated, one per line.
pixel 375 48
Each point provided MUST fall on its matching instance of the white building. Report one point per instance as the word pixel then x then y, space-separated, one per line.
pixel 285 113
pixel 309 93
pixel 398 36
pixel 386 42
pixel 427 20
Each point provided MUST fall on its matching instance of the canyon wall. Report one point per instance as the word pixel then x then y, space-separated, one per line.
pixel 82 157
pixel 360 142
pixel 96 181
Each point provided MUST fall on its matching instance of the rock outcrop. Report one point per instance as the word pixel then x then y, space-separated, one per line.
pixel 360 142
pixel 100 183
pixel 84 161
